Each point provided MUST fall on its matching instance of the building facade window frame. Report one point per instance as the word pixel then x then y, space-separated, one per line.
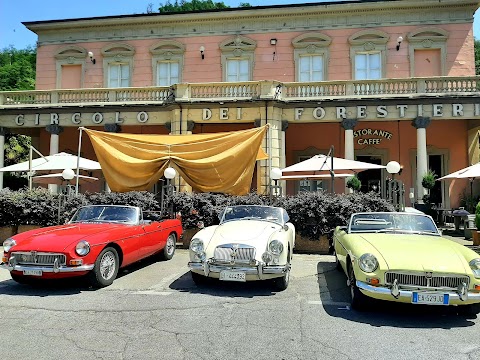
pixel 69 55
pixel 369 41
pixel 167 52
pixel 238 48
pixel 117 54
pixel 311 44
pixel 428 38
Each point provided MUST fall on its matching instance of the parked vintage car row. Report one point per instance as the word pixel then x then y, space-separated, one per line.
pixel 399 257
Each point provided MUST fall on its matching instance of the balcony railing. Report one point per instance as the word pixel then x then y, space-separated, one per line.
pixel 249 90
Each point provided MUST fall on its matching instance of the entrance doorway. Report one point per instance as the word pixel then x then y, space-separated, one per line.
pixel 371 179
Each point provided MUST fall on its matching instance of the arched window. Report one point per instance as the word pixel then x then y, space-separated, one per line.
pixel 167 62
pixel 311 56
pixel 238 58
pixel 368 51
pixel 118 65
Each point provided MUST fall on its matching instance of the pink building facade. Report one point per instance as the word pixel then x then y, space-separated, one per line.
pixel 377 80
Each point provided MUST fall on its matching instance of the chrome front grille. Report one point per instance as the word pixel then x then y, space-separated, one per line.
pixel 237 253
pixel 38 258
pixel 427 280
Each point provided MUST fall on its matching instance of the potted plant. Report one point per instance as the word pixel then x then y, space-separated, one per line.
pixel 476 233
pixel 354 183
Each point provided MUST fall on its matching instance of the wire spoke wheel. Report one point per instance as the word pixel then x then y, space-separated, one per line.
pixel 107 265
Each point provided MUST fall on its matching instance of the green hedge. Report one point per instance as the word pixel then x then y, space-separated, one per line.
pixel 312 213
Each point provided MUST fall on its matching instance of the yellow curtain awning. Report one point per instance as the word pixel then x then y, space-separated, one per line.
pixel 220 162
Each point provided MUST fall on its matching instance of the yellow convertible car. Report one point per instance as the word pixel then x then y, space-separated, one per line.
pixel 403 257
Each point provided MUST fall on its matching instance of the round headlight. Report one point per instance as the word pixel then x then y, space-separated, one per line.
pixel 196 245
pixel 276 247
pixel 8 244
pixel 368 263
pixel 82 248
pixel 475 266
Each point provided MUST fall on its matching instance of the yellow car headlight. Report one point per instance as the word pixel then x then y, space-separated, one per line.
pixel 475 266
pixel 368 263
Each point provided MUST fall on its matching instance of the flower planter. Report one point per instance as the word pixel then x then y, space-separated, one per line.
pixel 307 245
pixel 23 228
pixel 187 236
pixel 6 232
pixel 476 237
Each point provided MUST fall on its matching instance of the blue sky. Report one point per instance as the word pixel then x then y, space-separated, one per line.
pixel 13 12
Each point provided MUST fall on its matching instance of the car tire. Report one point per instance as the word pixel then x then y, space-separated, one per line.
pixel 281 283
pixel 169 250
pixel 359 300
pixel 105 269
pixel 198 279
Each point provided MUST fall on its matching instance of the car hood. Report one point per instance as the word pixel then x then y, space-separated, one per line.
pixel 250 232
pixel 418 252
pixel 58 238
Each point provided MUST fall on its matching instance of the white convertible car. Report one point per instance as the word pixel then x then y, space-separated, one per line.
pixel 251 242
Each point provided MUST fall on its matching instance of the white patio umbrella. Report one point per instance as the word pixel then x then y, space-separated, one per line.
pixel 470 172
pixel 324 165
pixel 58 179
pixel 60 161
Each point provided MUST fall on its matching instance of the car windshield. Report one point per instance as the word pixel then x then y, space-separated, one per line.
pixel 393 222
pixel 99 213
pixel 248 212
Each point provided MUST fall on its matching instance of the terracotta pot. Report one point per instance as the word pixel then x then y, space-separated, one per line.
pixel 6 232
pixel 476 237
pixel 23 228
pixel 307 245
pixel 187 237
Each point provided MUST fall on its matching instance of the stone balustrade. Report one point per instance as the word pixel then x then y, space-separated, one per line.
pixel 248 90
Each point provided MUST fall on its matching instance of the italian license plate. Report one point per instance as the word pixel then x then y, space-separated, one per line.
pixel 227 275
pixel 32 272
pixel 430 298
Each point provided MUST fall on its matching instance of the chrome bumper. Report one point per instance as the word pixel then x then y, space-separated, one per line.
pixel 56 268
pixel 259 269
pixel 407 294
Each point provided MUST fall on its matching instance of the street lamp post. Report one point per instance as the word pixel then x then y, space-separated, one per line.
pixel 396 189
pixel 68 175
pixel 167 191
pixel 275 190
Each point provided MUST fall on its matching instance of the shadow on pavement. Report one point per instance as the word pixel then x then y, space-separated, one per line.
pixel 334 295
pixel 219 288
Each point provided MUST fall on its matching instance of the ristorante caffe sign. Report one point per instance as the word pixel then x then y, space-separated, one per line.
pixel 371 136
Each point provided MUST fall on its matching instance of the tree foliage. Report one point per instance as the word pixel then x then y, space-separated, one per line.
pixel 17 68
pixel 193 5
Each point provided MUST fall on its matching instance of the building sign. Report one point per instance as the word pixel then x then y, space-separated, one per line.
pixel 76 118
pixel 225 114
pixel 378 136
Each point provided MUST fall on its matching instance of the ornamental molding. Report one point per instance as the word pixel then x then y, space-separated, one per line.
pixel 311 18
pixel 70 53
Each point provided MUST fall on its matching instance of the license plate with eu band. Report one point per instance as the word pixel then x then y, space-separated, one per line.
pixel 430 298
pixel 227 275
pixel 32 272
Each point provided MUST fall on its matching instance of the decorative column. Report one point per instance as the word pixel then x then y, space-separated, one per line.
pixel 54 130
pixel 113 128
pixel 349 125
pixel 3 132
pixel 421 123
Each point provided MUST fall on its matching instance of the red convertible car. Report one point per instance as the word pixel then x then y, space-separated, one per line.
pixel 97 241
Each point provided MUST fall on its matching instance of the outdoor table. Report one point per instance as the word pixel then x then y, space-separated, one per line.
pixel 442 213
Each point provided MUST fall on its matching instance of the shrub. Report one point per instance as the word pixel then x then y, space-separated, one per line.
pixel 354 183
pixel 428 180
pixel 477 216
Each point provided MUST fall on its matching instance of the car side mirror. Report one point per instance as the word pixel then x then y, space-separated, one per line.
pixel 342 228
pixel 285 227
